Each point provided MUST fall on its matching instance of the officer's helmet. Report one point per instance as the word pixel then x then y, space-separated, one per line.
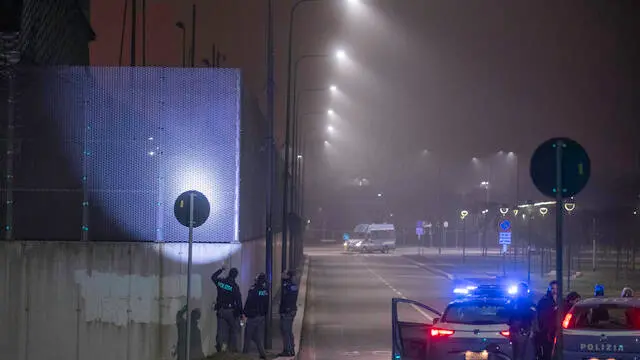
pixel 598 290
pixel 261 278
pixel 523 289
pixel 627 292
pixel 233 273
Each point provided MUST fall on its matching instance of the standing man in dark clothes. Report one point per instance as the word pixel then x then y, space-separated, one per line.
pixel 228 310
pixel 547 318
pixel 255 309
pixel 522 315
pixel 288 309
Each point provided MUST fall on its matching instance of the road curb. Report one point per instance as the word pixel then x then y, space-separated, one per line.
pixel 302 302
pixel 431 269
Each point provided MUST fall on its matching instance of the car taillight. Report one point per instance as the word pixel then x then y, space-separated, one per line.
pixel 505 333
pixel 441 332
pixel 566 321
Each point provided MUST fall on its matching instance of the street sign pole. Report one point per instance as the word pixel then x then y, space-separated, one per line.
pixel 192 216
pixel 464 239
pixel 192 196
pixel 559 219
pixel 529 250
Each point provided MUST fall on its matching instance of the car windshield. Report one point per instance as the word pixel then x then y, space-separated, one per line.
pixel 606 317
pixel 383 234
pixel 476 313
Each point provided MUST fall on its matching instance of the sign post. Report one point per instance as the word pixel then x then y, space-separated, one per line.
pixel 419 232
pixel 504 239
pixel 191 209
pixel 560 168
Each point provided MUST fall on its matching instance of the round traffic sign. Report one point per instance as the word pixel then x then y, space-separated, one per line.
pixel 505 225
pixel 182 208
pixel 575 167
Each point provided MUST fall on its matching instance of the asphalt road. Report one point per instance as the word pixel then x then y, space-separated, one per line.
pixel 348 311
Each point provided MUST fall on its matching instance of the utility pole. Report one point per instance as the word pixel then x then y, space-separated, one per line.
pixel 593 252
pixel 268 341
pixel 193 35
pixel 144 32
pixel 134 29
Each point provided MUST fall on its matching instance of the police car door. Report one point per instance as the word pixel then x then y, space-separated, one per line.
pixel 411 323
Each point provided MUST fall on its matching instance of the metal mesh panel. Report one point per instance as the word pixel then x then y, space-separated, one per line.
pixel 104 152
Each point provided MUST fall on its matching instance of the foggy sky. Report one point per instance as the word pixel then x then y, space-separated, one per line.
pixel 459 78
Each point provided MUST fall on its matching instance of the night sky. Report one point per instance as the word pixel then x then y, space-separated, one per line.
pixel 458 78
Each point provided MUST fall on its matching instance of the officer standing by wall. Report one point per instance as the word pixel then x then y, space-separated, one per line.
pixel 228 310
pixel 255 309
pixel 288 309
pixel 521 322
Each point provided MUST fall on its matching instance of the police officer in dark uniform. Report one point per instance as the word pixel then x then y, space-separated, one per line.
pixel 255 309
pixel 522 316
pixel 228 310
pixel 288 309
pixel 547 309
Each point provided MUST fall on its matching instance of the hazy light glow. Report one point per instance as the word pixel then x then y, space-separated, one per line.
pixel 326 143
pixel 203 253
pixel 330 128
pixel 330 112
pixel 341 55
pixel 333 88
pixel 379 194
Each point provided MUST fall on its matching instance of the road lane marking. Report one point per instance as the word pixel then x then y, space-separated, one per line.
pixel 401 295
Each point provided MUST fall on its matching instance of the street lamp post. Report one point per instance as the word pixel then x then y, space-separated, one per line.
pixel 292 14
pixel 180 25
pixel 297 145
pixel 287 194
pixel 463 216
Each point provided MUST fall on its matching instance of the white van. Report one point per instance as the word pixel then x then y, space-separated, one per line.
pixel 378 237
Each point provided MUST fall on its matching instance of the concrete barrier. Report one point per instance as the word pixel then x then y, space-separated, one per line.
pixel 103 301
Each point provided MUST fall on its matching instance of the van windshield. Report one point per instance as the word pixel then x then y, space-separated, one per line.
pixel 383 234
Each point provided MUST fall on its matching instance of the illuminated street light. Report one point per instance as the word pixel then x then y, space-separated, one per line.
pixel 504 211
pixel 353 1
pixel 299 157
pixel 333 88
pixel 379 194
pixel 463 214
pixel 330 112
pixel 341 55
pixel 326 143
pixel 543 211
pixel 484 184
pixel 330 128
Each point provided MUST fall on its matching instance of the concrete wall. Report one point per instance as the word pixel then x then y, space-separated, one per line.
pixel 99 301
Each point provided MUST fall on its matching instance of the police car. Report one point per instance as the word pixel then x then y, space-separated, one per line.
pixel 603 328
pixel 468 326
pixel 497 287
